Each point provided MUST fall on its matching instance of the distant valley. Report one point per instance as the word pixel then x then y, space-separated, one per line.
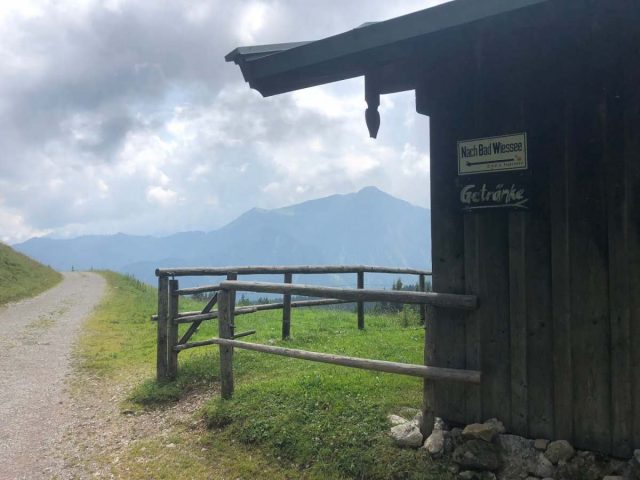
pixel 367 227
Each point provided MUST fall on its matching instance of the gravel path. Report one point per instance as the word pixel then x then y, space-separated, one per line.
pixel 36 336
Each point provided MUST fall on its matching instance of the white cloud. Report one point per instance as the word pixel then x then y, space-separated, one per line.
pixel 161 195
pixel 13 227
pixel 127 111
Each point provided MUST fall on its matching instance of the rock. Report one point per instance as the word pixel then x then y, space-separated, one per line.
pixel 477 454
pixel 472 475
pixel 583 466
pixel 479 431
pixel 407 435
pixel 518 457
pixel 438 424
pixel 541 444
pixel 496 424
pixel 435 443
pixel 617 467
pixel 542 467
pixel 632 469
pixel 453 440
pixel 613 477
pixel 560 450
pixel 396 420
pixel 417 419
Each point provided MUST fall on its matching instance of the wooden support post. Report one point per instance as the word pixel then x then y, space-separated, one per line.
pixel 361 303
pixel 232 303
pixel 163 314
pixel 286 309
pixel 172 330
pixel 429 391
pixel 226 352
pixel 423 308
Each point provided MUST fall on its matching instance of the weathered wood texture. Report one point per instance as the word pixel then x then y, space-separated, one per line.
pixel 163 320
pixel 225 331
pixel 193 328
pixel 422 286
pixel 442 300
pixel 430 373
pixel 301 269
pixel 197 317
pixel 558 286
pixel 286 309
pixel 360 305
pixel 172 330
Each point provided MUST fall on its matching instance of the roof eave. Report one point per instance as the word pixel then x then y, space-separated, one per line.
pixel 272 71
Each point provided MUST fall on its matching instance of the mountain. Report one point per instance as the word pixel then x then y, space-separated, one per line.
pixel 367 227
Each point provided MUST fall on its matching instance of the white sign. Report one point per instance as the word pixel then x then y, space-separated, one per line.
pixel 494 154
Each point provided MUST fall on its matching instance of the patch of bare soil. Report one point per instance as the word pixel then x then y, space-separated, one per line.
pixel 101 432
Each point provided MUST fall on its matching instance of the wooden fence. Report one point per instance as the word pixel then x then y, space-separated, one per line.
pixel 169 294
pixel 169 318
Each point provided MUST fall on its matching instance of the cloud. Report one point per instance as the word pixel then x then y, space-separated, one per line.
pixel 123 116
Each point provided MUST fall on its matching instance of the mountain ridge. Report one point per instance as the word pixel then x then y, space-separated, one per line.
pixel 364 227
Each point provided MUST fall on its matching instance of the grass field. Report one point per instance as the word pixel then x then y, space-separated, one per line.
pixel 288 418
pixel 23 277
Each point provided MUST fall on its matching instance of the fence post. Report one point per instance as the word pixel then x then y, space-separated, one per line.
pixel 232 299
pixel 226 352
pixel 163 313
pixel 428 395
pixel 361 304
pixel 286 309
pixel 423 308
pixel 172 330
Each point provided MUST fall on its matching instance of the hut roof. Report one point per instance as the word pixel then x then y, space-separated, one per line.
pixel 279 68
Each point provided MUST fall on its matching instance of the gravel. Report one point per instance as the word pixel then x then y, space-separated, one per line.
pixel 36 339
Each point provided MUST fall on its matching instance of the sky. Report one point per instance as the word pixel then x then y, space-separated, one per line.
pixel 122 116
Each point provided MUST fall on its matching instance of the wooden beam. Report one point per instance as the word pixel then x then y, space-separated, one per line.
pixel 226 351
pixel 286 308
pixel 172 330
pixel 430 373
pixel 196 290
pixel 302 269
pixel 189 317
pixel 442 300
pixel 163 320
pixel 361 303
pixel 423 308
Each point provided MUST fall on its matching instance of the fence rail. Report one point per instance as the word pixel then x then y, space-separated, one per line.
pixel 169 318
pixel 293 269
pixel 444 300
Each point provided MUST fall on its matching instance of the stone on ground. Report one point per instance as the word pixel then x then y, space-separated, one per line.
pixel 407 435
pixel 435 443
pixel 559 451
pixel 477 455
pixel 479 431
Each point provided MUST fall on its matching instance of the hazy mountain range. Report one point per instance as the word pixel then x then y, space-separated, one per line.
pixel 367 227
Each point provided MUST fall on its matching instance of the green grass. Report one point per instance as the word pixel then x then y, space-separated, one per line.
pixel 303 419
pixel 23 277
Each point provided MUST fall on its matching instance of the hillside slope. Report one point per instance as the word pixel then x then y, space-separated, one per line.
pixel 23 277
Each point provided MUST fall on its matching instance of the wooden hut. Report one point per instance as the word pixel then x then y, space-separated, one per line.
pixel 534 110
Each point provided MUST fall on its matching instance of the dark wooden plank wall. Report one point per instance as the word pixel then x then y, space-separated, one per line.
pixel 556 335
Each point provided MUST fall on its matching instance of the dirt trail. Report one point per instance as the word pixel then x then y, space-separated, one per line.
pixel 36 336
